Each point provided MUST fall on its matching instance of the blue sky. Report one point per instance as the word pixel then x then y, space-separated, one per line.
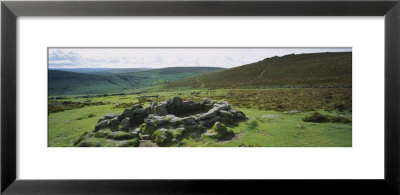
pixel 167 57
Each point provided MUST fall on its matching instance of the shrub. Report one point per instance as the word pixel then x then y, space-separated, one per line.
pixel 321 118
pixel 252 124
pixel 316 117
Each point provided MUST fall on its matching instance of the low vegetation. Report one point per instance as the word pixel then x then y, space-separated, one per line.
pixel 328 70
pixel 321 118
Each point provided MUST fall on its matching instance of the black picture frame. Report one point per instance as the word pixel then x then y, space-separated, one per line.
pixel 11 10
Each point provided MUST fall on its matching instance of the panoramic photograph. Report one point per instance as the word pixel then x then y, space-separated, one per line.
pixel 199 97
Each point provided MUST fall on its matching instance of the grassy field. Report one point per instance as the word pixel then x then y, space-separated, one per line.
pixel 286 130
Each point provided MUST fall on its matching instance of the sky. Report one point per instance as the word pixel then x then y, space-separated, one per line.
pixel 167 57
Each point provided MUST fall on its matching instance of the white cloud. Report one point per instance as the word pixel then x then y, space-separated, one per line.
pixel 167 57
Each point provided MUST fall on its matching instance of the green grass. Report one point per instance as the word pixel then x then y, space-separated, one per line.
pixel 65 126
pixel 283 132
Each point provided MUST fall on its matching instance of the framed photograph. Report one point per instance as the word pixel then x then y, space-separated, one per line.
pixel 222 97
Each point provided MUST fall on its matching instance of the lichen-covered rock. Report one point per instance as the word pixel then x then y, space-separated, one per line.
pixel 160 110
pixel 217 131
pixel 176 121
pixel 122 135
pixel 211 121
pixel 134 131
pixel 226 116
pixel 136 106
pixel 109 116
pixel 102 125
pixel 238 114
pixel 83 144
pixel 147 143
pixel 138 111
pixel 162 137
pixel 210 114
pixel 101 119
pixel 178 133
pixel 103 134
pixel 145 137
pixel 177 101
pixel 129 143
pixel 147 110
pixel 120 116
pixel 207 101
pixel 138 119
pixel 156 120
pixel 127 114
pixel 147 129
pixel 114 122
pixel 190 120
pixel 125 124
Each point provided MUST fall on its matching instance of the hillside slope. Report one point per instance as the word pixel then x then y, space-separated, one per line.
pixel 302 70
pixel 72 83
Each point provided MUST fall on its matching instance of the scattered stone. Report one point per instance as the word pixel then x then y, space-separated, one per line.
pixel 83 144
pixel 292 112
pixel 269 116
pixel 300 126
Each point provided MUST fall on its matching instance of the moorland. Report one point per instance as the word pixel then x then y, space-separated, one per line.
pixel 302 100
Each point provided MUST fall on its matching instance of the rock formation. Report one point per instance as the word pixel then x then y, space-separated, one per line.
pixel 165 123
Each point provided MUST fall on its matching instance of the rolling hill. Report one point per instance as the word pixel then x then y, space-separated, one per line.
pixel 74 83
pixel 101 70
pixel 301 70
